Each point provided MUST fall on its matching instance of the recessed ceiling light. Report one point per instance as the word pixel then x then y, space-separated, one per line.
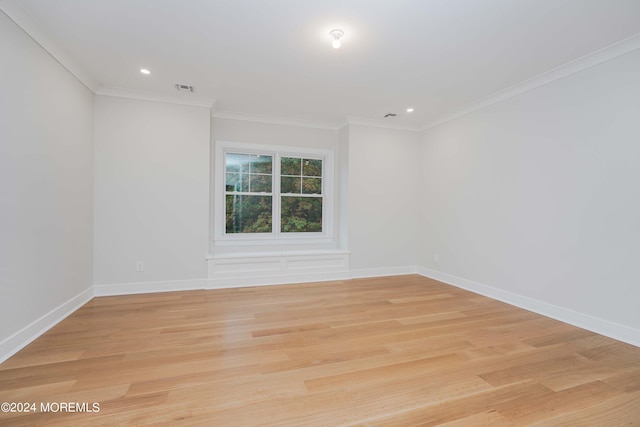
pixel 409 110
pixel 145 71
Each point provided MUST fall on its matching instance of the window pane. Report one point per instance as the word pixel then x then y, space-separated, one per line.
pixel 248 214
pixel 290 166
pixel 261 164
pixel 312 185
pixel 312 167
pixel 290 184
pixel 261 183
pixel 301 214
pixel 237 162
pixel 237 182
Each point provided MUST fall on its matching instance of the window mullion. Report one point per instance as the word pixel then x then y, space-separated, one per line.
pixel 275 189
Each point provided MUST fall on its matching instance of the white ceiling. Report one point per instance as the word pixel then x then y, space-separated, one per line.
pixel 274 58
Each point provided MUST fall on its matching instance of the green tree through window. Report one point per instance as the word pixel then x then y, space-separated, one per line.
pixel 300 195
pixel 251 192
pixel 248 198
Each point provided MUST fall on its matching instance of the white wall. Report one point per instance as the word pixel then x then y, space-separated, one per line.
pixel 383 197
pixel 539 195
pixel 46 157
pixel 151 191
pixel 272 134
pixel 343 187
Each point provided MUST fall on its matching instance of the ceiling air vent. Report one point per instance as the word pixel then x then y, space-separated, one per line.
pixel 390 115
pixel 184 88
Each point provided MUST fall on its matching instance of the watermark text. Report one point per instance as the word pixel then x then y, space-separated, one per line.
pixel 54 407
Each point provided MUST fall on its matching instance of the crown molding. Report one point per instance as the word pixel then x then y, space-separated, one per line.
pixel 605 54
pixel 275 120
pixel 32 27
pixel 344 123
pixel 381 123
pixel 178 98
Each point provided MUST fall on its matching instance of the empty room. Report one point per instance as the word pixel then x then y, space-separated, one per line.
pixel 305 213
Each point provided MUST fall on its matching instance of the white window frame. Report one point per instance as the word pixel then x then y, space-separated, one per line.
pixel 276 237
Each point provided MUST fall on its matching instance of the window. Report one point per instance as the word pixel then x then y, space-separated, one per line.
pixel 248 193
pixel 276 194
pixel 300 195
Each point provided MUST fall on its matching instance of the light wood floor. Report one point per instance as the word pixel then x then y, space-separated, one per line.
pixel 392 351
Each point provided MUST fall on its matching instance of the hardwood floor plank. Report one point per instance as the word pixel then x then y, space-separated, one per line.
pixel 460 407
pixel 623 410
pixel 489 418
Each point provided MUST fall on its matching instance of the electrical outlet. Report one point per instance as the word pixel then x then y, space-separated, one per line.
pixel 436 258
pixel 140 266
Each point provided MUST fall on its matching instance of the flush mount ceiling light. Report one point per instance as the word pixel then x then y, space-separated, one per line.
pixel 409 110
pixel 145 71
pixel 336 35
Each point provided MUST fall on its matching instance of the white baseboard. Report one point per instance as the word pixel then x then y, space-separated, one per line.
pixel 382 272
pixel 148 287
pixel 594 324
pixel 19 340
